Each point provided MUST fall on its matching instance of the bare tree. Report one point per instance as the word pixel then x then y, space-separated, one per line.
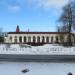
pixel 61 37
pixel 68 19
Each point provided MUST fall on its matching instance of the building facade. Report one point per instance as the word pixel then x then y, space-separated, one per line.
pixel 35 37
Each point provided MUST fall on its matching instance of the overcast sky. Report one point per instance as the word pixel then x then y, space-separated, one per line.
pixel 33 15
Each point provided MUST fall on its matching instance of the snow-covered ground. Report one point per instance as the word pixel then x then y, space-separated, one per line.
pixel 48 49
pixel 34 68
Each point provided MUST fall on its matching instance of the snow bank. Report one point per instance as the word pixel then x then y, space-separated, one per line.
pixel 48 49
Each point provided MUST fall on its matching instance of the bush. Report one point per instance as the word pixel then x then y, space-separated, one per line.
pixel 35 44
pixel 1 39
pixel 67 44
pixel 24 46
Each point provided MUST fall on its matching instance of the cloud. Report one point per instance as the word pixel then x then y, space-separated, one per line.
pixel 47 3
pixel 11 5
pixel 15 8
pixel 15 5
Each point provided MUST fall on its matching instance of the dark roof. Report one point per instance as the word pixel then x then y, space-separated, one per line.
pixel 37 32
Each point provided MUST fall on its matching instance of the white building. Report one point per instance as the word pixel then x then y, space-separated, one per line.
pixel 34 37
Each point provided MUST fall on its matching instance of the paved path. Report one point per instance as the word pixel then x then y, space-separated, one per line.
pixel 37 58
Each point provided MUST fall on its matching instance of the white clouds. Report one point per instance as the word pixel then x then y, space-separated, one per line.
pixel 11 5
pixel 48 3
pixel 15 8
pixel 45 4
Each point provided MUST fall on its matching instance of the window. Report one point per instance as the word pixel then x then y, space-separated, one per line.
pixel 52 39
pixel 43 39
pixel 10 38
pixel 20 39
pixel 56 39
pixel 47 39
pixel 38 39
pixel 34 39
pixel 24 39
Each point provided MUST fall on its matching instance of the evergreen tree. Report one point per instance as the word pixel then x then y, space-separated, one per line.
pixel 1 36
pixel 1 39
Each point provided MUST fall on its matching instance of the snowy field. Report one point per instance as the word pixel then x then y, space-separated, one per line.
pixel 37 68
pixel 48 49
pixel 34 68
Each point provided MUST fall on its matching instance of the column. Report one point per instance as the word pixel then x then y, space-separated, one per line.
pixel 40 39
pixel 26 39
pixel 31 39
pixel 17 39
pixel 54 39
pixel 45 38
pixel 12 39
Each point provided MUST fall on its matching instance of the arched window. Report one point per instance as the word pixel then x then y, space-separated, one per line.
pixel 43 39
pixel 34 39
pixel 20 39
pixel 15 39
pixel 38 39
pixel 47 39
pixel 29 39
pixel 56 39
pixel 10 38
pixel 52 39
pixel 24 39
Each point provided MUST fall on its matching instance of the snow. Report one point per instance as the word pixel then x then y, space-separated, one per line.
pixel 36 68
pixel 48 49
